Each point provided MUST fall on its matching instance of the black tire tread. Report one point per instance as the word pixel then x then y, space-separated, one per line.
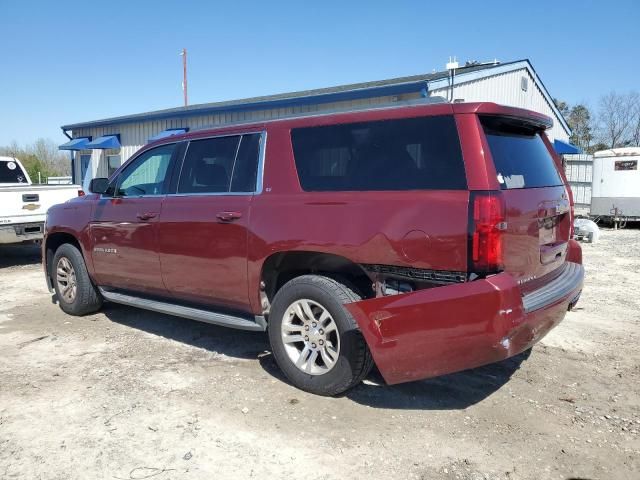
pixel 88 299
pixel 343 293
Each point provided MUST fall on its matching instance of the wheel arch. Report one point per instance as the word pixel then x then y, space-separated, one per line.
pixel 281 267
pixel 52 243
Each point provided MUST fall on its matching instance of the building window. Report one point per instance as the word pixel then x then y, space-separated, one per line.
pixel 113 163
pixel 524 84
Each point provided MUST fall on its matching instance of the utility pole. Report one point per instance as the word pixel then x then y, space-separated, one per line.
pixel 183 54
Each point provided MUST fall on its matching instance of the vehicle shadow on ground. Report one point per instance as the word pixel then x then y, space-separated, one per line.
pixel 449 392
pixel 19 255
pixel 227 341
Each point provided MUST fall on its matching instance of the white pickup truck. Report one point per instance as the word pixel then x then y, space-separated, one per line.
pixel 23 206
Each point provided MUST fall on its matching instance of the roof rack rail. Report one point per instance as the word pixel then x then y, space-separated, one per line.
pixel 319 113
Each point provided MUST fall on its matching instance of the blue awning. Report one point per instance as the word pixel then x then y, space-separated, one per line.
pixel 168 133
pixel 563 147
pixel 104 142
pixel 79 143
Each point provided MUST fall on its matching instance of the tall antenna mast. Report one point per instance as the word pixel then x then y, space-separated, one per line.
pixel 183 54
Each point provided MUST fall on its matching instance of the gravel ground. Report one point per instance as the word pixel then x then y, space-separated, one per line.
pixel 129 394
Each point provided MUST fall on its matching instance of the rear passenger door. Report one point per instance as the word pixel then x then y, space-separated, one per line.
pixel 203 233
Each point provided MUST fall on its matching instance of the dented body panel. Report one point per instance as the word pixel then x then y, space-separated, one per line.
pixel 447 329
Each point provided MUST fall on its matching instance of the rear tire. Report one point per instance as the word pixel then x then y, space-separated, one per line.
pixel 76 293
pixel 328 362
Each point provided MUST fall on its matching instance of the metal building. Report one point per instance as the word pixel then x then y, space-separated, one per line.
pixel 579 171
pixel 98 147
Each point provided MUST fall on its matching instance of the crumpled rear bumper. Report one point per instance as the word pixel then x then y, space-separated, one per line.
pixel 452 328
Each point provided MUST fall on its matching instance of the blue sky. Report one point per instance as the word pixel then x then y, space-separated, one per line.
pixel 66 62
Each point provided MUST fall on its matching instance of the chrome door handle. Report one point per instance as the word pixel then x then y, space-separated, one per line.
pixel 228 216
pixel 147 215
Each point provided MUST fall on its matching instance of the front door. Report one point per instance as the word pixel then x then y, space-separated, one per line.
pixel 203 230
pixel 124 226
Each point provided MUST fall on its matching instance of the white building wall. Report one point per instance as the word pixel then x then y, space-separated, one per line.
pixel 505 89
pixel 133 136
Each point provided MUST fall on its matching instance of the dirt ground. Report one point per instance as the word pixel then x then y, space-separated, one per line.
pixel 129 394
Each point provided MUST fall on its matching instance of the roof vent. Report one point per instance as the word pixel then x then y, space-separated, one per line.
pixel 452 64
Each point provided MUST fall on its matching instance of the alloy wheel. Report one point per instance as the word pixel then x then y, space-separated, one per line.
pixel 66 278
pixel 310 336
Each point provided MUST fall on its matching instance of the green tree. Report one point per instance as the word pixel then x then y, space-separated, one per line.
pixel 562 106
pixel 579 120
pixel 34 166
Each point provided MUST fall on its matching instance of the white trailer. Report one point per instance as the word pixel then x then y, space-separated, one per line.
pixel 616 184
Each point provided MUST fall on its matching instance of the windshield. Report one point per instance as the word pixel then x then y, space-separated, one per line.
pixel 10 172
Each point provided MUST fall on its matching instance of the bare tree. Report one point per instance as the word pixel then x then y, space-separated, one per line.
pixel 47 152
pixel 42 157
pixel 635 124
pixel 11 150
pixel 616 116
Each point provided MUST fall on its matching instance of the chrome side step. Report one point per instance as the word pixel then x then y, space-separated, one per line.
pixel 258 324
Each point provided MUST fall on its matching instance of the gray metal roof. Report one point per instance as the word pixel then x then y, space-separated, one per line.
pixel 321 95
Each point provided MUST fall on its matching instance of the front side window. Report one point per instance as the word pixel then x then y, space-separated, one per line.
pixel 407 154
pixel 221 165
pixel 146 175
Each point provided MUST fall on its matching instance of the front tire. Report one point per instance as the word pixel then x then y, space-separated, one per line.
pixel 76 293
pixel 314 339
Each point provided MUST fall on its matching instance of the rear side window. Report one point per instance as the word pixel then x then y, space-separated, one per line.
pixel 208 165
pixel 245 170
pixel 408 154
pixel 519 154
pixel 221 165
pixel 10 172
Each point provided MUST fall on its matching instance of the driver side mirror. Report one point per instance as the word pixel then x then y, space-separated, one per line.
pixel 99 185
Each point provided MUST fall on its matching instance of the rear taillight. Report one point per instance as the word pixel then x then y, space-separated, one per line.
pixel 81 193
pixel 572 213
pixel 572 219
pixel 487 228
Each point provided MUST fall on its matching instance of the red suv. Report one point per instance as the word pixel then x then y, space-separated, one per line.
pixel 424 238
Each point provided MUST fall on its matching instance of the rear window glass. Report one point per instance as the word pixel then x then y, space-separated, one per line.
pixel 519 154
pixel 10 172
pixel 408 154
